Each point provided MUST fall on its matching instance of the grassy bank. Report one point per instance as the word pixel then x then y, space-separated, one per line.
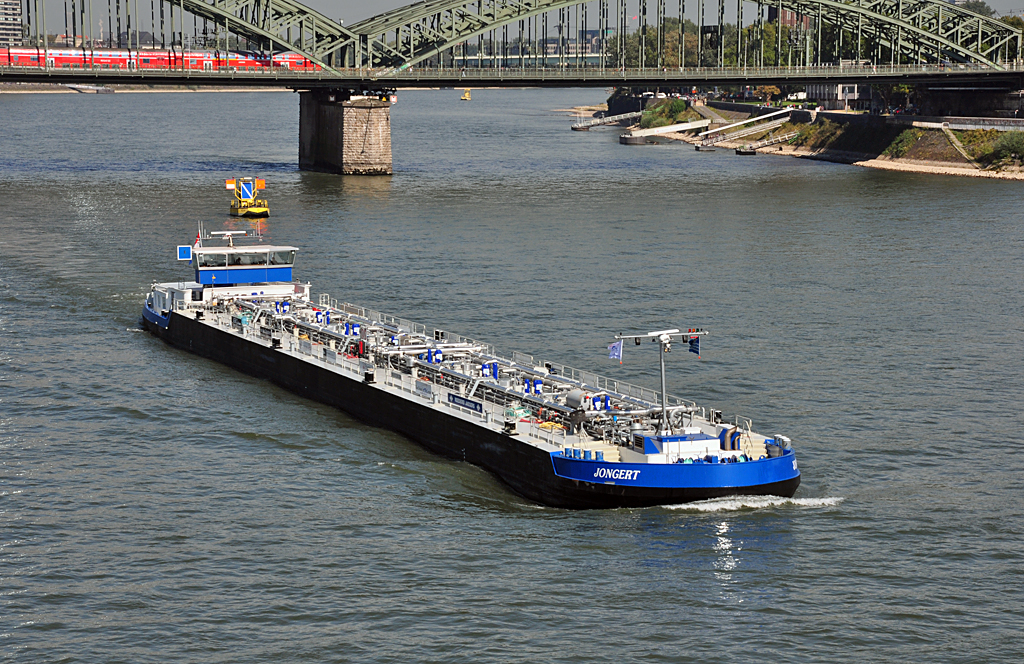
pixel 991 149
pixel 668 112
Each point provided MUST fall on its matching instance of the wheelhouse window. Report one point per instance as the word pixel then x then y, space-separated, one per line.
pixel 213 260
pixel 282 257
pixel 246 260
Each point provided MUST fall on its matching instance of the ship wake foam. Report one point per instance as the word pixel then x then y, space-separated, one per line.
pixel 734 503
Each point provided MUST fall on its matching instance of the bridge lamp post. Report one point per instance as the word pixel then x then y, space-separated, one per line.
pixel 46 40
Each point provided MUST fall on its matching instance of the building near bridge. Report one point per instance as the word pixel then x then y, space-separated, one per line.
pixel 789 18
pixel 840 96
pixel 588 44
pixel 10 23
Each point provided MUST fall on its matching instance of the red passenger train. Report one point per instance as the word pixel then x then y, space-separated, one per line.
pixel 72 58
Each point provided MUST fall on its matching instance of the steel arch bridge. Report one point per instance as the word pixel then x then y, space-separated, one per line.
pixel 440 32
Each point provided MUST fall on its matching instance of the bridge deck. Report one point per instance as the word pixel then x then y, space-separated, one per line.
pixel 1012 76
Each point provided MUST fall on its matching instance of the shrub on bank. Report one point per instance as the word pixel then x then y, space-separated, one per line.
pixel 649 121
pixel 667 112
pixel 677 107
pixel 978 142
pixel 1009 145
pixel 819 135
pixel 902 144
pixel 993 148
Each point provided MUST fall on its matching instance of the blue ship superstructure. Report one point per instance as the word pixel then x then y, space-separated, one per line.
pixel 222 268
pixel 555 434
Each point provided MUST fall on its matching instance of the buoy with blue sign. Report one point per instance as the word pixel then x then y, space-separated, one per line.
pixel 246 203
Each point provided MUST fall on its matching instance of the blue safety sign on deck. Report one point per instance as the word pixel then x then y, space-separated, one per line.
pixel 246 189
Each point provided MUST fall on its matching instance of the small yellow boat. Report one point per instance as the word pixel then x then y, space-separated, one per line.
pixel 246 204
pixel 466 96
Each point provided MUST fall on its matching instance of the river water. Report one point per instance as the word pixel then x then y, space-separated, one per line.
pixel 160 507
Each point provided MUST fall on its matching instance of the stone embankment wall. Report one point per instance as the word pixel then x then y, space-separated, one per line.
pixel 749 109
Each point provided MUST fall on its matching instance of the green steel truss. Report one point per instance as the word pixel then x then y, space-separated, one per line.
pixel 920 31
pixel 425 29
pixel 912 31
pixel 276 25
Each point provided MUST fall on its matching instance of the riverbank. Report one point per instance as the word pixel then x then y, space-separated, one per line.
pixel 583 111
pixel 876 142
pixel 888 163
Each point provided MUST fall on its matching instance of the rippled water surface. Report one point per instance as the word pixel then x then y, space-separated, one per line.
pixel 160 507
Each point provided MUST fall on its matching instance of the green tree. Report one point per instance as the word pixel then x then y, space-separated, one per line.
pixel 770 55
pixel 979 6
pixel 1009 144
pixel 890 92
pixel 766 92
pixel 1013 21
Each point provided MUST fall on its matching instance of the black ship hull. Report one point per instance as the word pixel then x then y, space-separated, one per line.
pixel 526 469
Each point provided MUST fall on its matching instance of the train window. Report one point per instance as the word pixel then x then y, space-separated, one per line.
pixel 213 260
pixel 282 257
pixel 145 61
pixel 192 62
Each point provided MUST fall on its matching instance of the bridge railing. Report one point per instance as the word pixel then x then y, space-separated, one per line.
pixel 470 76
pixel 676 73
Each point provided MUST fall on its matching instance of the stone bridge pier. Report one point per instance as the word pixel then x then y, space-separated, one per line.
pixel 341 131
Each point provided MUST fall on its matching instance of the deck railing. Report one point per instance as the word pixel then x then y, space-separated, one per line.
pixel 550 76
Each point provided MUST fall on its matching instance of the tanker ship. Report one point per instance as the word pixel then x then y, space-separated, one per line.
pixel 556 435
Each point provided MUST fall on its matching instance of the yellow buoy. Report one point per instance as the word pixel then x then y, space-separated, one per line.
pixel 246 204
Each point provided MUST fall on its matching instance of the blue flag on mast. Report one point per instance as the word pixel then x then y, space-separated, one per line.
pixel 615 351
pixel 695 346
